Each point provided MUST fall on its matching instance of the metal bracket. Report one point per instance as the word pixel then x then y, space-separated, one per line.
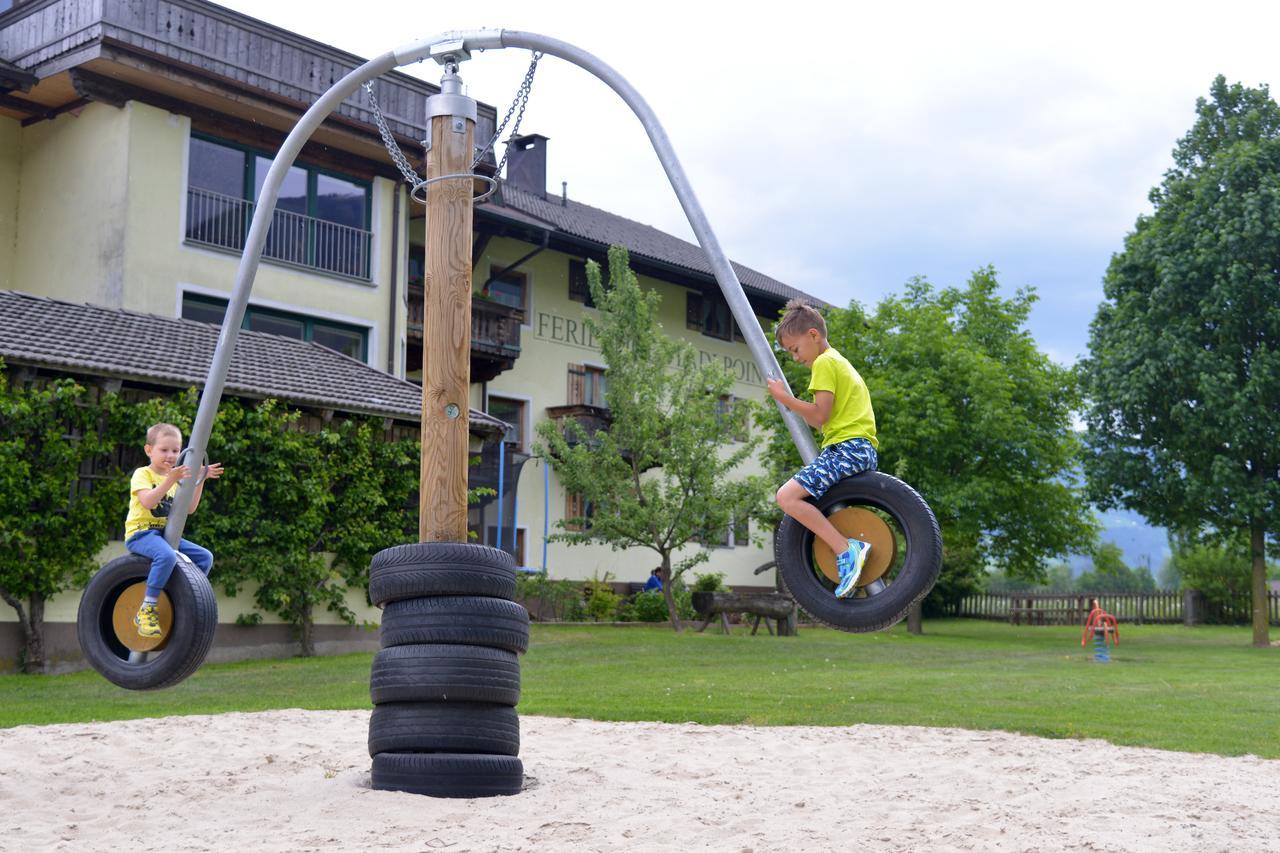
pixel 450 52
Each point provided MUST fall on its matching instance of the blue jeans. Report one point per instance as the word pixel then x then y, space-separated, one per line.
pixel 151 544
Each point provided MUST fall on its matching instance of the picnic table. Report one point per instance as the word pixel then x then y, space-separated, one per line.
pixel 1047 609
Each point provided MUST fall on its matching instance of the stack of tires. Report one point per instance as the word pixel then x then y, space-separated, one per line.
pixel 447 678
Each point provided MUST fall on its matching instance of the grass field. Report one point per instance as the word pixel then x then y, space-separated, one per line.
pixel 1201 690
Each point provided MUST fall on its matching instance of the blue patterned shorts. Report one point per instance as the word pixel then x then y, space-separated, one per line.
pixel 835 463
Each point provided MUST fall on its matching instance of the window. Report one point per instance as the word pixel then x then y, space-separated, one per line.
pixel 710 316
pixel 518 551
pixel 579 290
pixel 724 407
pixel 575 507
pixel 511 289
pixel 348 340
pixel 321 220
pixel 511 411
pixel 586 386
pixel 736 535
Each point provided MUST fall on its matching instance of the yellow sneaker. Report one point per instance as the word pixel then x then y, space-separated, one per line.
pixel 148 621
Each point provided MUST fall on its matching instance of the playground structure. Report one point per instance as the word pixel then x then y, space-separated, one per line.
pixel 431 594
pixel 1102 626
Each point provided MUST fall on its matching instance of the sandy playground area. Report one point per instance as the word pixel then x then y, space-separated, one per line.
pixel 299 780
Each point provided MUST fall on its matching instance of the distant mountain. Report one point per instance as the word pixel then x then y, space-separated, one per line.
pixel 1142 544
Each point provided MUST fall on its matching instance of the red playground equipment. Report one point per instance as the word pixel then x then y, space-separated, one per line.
pixel 1102 625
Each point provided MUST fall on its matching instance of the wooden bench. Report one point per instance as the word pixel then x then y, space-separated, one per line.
pixel 763 605
pixel 1047 609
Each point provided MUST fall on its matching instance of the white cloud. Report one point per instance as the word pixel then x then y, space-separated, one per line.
pixel 843 148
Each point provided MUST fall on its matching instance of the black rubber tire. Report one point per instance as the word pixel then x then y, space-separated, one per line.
pixel 448 775
pixel 195 618
pixel 456 619
pixel 440 673
pixel 440 568
pixel 471 727
pixel 793 550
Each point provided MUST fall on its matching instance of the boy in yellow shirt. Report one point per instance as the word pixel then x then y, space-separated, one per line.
pixel 841 408
pixel 151 497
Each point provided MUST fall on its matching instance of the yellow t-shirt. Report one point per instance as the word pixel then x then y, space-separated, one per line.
pixel 141 518
pixel 851 413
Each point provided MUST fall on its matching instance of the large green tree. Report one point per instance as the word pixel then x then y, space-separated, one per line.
pixel 52 520
pixel 976 418
pixel 664 475
pixel 1183 377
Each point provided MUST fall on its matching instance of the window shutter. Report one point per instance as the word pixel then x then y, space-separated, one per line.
pixel 577 384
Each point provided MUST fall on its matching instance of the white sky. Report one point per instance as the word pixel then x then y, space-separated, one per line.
pixel 843 148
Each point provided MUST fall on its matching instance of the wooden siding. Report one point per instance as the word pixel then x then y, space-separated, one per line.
pixel 218 41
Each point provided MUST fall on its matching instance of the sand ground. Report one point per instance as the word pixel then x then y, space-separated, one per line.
pixel 299 780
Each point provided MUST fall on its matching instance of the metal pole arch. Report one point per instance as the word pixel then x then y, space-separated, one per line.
pixel 458 44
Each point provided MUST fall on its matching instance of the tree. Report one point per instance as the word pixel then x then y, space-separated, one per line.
pixel 1183 376
pixel 665 413
pixel 52 523
pixel 976 418
pixel 1110 574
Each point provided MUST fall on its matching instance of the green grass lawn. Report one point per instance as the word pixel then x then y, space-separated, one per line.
pixel 1201 689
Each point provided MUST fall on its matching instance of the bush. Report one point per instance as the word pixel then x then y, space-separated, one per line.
pixel 602 602
pixel 648 606
pixel 559 600
pixel 711 582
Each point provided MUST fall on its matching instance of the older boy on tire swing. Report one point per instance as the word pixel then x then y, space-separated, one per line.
pixel 841 408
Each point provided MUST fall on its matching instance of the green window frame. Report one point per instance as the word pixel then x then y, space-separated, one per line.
pixel 304 249
pixel 196 306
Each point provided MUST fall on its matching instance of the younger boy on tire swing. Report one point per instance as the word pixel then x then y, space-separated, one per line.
pixel 151 493
pixel 841 408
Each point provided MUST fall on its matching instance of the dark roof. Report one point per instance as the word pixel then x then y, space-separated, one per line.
pixel 606 229
pixel 140 347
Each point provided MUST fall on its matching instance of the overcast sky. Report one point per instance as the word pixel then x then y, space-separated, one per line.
pixel 844 148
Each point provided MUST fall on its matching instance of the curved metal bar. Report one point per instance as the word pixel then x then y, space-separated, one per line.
pixel 720 265
pixel 455 46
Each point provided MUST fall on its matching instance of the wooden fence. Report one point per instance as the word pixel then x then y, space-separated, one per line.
pixel 1161 606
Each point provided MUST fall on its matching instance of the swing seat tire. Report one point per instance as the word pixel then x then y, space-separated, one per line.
pixel 104 640
pixel 916 563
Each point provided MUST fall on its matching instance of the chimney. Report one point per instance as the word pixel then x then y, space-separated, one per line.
pixel 527 163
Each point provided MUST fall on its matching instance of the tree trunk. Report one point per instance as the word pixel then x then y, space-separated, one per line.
pixel 307 632
pixel 672 611
pixel 31 618
pixel 915 618
pixel 1258 542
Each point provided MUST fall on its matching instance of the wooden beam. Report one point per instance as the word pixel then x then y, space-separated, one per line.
pixel 446 354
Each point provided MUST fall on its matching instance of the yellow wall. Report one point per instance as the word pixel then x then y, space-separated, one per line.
pixel 63 607
pixel 10 158
pixel 71 210
pixel 106 226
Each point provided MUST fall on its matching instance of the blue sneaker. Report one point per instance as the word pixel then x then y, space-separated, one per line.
pixel 850 564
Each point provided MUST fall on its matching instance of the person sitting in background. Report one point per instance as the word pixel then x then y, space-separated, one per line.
pixel 654 583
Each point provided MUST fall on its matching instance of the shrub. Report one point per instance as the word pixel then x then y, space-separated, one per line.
pixel 710 582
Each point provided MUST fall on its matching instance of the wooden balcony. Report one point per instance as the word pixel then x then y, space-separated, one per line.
pixel 495 336
pixel 591 419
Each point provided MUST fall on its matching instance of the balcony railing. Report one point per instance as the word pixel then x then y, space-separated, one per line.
pixel 495 334
pixel 214 219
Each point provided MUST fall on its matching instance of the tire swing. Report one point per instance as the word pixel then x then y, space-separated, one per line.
pixel 109 639
pixel 905 557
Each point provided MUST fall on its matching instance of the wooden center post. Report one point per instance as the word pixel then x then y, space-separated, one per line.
pixel 446 350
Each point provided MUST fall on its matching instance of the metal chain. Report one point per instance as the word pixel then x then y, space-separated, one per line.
pixel 393 148
pixel 390 141
pixel 521 100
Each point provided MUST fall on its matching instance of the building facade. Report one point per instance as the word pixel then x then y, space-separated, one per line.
pixel 134 137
